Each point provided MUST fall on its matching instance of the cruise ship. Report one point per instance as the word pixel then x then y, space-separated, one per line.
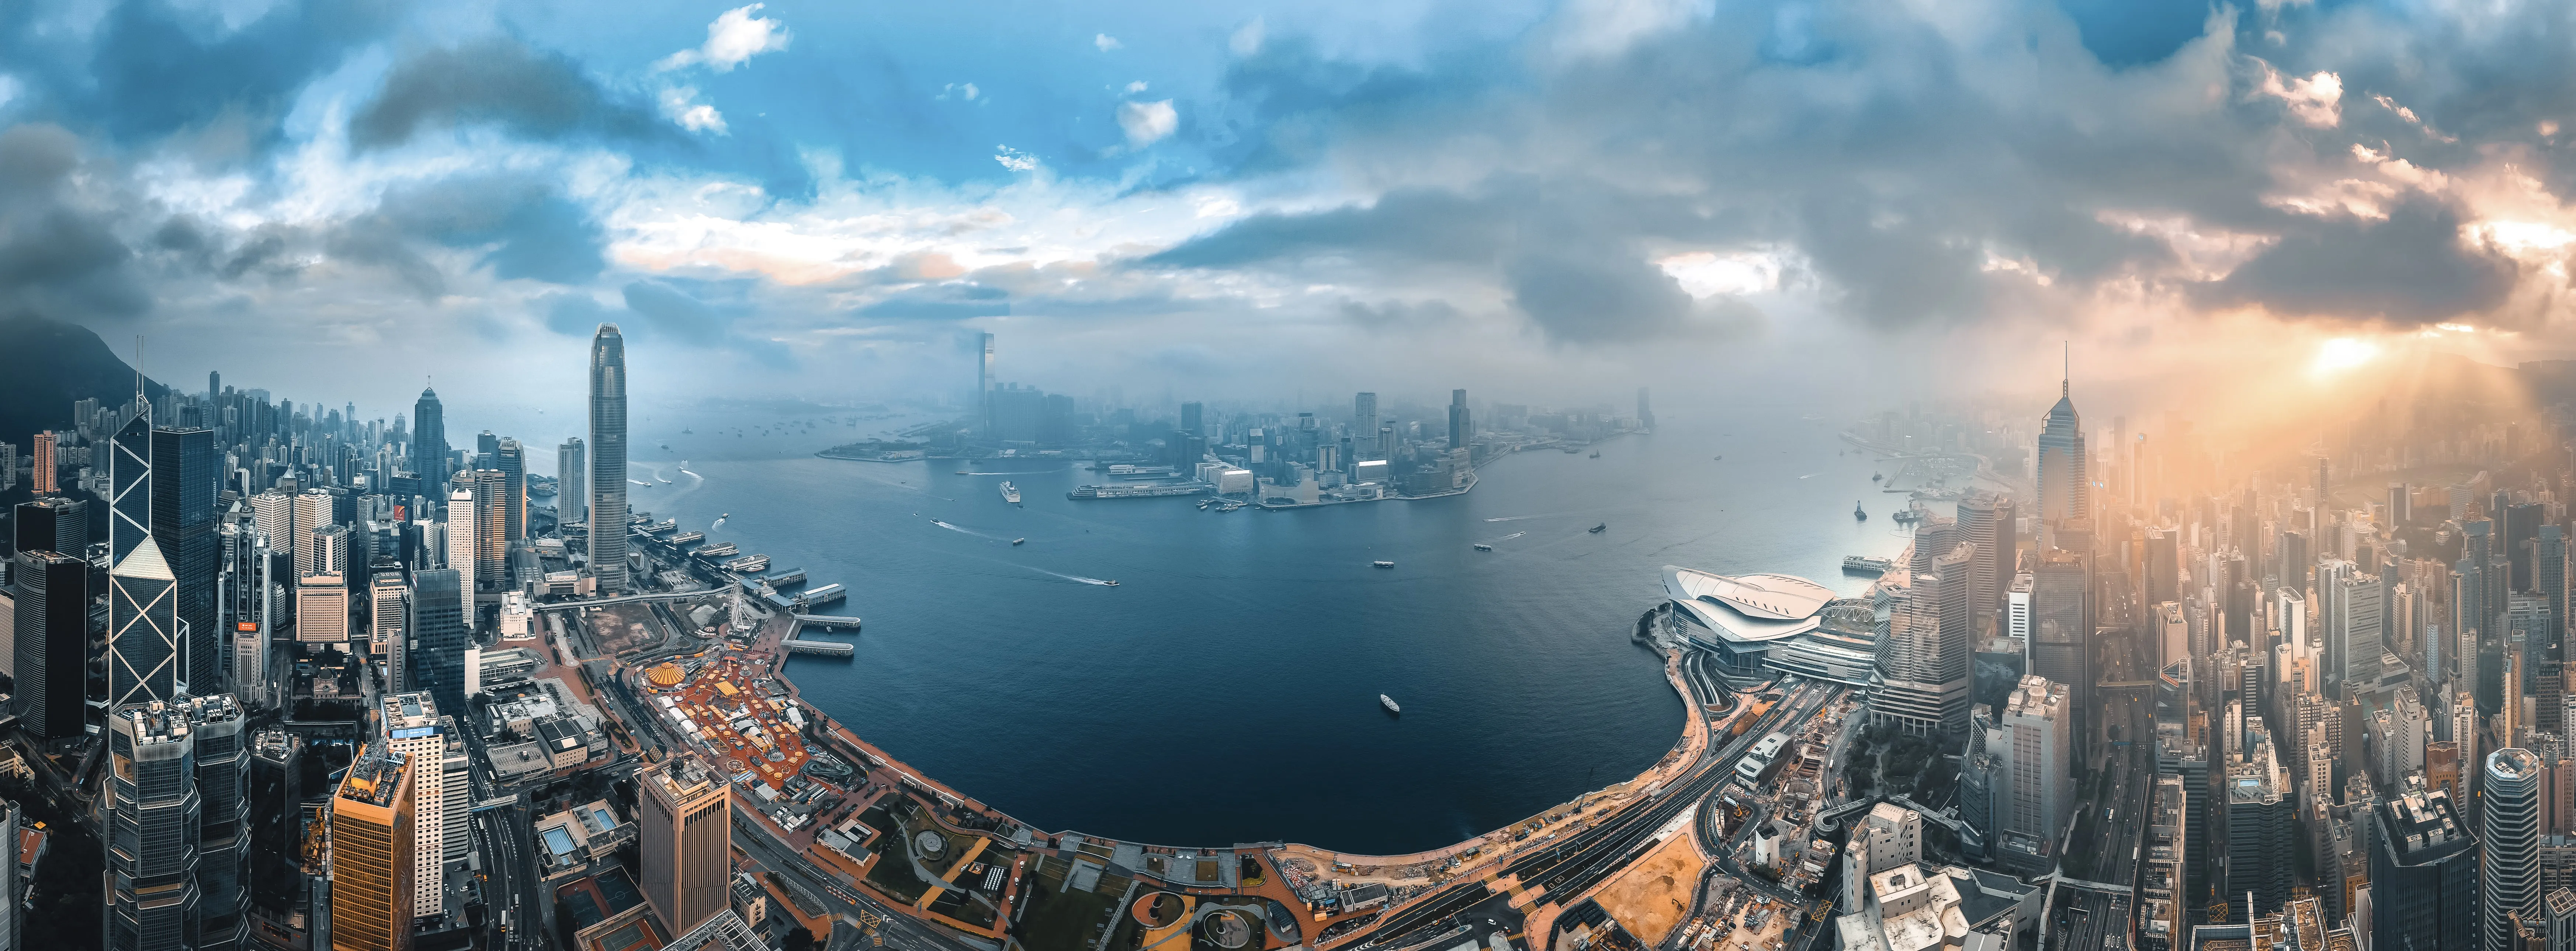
pixel 748 563
pixel 1010 493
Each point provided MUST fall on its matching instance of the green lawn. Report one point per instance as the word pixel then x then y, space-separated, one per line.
pixel 1064 921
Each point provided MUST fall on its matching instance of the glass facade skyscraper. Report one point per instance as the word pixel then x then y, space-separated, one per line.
pixel 608 458
pixel 429 439
pixel 183 525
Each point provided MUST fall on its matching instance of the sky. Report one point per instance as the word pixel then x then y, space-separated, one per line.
pixel 1554 201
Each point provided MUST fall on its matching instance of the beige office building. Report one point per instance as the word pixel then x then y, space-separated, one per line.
pixel 686 826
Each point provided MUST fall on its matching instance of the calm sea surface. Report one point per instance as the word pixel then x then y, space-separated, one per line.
pixel 1226 690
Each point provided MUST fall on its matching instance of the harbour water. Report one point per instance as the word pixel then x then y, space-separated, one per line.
pixel 1227 689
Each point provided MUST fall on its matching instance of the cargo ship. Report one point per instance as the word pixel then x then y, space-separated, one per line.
pixel 1389 703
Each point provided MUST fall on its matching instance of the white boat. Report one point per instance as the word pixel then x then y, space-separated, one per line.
pixel 1389 703
pixel 1383 564
pixel 1010 493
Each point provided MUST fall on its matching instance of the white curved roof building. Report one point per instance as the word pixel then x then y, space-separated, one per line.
pixel 1768 620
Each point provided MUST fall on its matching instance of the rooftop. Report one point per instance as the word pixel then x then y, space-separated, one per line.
pixel 1759 607
pixel 374 777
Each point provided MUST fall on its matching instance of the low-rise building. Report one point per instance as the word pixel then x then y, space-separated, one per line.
pixel 569 841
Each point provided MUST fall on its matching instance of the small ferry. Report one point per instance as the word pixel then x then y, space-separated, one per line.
pixel 1389 703
pixel 1865 565
pixel 1480 546
pixel 1112 583
pixel 1382 564
pixel 1598 529
pixel 964 472
pixel 1596 454
pixel 1016 541
pixel 1859 514
pixel 1010 493
pixel 1875 477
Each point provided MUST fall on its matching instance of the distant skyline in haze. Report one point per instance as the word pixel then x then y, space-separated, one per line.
pixel 1546 200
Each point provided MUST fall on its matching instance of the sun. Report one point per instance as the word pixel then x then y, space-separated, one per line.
pixel 2340 354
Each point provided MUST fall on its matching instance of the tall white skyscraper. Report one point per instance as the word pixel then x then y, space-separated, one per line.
pixel 461 548
pixel 411 726
pixel 312 514
pixel 2509 844
pixel 2035 743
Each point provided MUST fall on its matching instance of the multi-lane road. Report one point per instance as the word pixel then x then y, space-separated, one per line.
pixel 900 931
pixel 1586 857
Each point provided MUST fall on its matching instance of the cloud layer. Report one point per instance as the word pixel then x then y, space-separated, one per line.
pixel 1328 196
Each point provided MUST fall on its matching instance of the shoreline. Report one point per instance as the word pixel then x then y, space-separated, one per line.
pixel 1692 741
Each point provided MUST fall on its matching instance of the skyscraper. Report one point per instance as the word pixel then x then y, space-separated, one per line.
pixel 2352 608
pixel 438 626
pixel 2261 838
pixel 409 725
pixel 2163 567
pixel 2065 489
pixel 1461 428
pixel 460 544
pixel 2035 743
pixel 492 528
pixel 572 482
pixel 429 439
pixel 145 643
pixel 129 476
pixel 41 451
pixel 2509 845
pixel 50 649
pixel 2549 577
pixel 513 463
pixel 686 839
pixel 371 853
pixel 1364 425
pixel 56 523
pixel 984 383
pixel 1986 521
pixel 1645 410
pixel 608 454
pixel 2061 645
pixel 13 890
pixel 388 625
pixel 312 514
pixel 217 726
pixel 322 609
pixel 153 813
pixel 183 525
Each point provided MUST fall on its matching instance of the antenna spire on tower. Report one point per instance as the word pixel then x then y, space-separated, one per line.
pixel 2066 376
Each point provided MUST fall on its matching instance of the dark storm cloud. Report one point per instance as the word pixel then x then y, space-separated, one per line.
pixel 675 313
pixel 952 300
pixel 525 227
pixel 58 256
pixel 2413 268
pixel 535 93
pixel 152 68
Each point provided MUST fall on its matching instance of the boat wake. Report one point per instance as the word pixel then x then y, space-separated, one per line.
pixel 1512 518
pixel 1079 578
pixel 693 475
pixel 962 530
pixel 1511 536
pixel 1811 475
pixel 719 524
pixel 640 482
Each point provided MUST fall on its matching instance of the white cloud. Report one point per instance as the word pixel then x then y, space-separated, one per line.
pixel 1106 42
pixel 1147 122
pixel 9 89
pixel 1705 274
pixel 733 39
pixel 2316 100
pixel 680 104
pixel 1247 40
pixel 1608 27
pixel 1016 160
pixel 1132 88
pixel 965 91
